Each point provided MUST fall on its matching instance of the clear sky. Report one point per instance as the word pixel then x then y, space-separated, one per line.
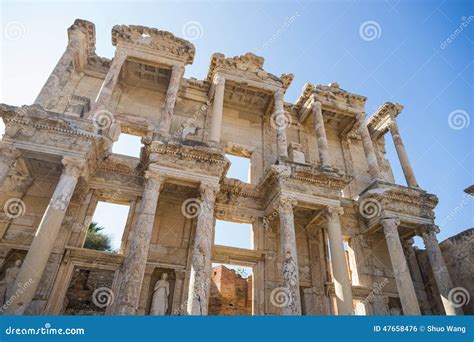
pixel 417 53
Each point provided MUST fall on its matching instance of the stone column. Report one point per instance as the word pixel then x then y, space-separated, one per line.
pixel 321 135
pixel 40 249
pixel 342 285
pixel 402 154
pixel 280 122
pixel 217 109
pixel 200 278
pixel 369 149
pixel 291 282
pixel 75 57
pixel 405 287
pixel 177 72
pixel 440 271
pixel 133 268
pixel 8 157
pixel 110 81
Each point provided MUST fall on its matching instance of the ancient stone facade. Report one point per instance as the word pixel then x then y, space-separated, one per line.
pixel 231 294
pixel 320 189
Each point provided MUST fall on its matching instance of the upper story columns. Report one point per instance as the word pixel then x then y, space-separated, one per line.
pixel 217 109
pixel 280 122
pixel 321 138
pixel 369 150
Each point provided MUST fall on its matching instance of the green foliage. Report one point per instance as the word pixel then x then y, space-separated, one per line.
pixel 96 239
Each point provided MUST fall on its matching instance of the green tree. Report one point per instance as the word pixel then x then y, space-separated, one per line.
pixel 96 239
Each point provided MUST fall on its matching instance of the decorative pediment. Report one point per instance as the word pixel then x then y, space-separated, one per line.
pixel 151 38
pixel 246 66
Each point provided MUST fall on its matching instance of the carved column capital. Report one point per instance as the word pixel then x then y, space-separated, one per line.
pixel 390 221
pixel 157 178
pixel 206 187
pixel 316 106
pixel 219 80
pixel 428 232
pixel 333 212
pixel 74 167
pixel 286 203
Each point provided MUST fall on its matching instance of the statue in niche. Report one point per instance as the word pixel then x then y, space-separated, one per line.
pixel 8 283
pixel 159 302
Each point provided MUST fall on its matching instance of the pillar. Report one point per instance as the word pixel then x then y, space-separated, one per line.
pixel 200 278
pixel 177 72
pixel 321 135
pixel 217 109
pixel 405 287
pixel 280 122
pixel 40 249
pixel 440 271
pixel 402 154
pixel 110 81
pixel 133 268
pixel 291 282
pixel 342 285
pixel 369 149
pixel 8 157
pixel 75 57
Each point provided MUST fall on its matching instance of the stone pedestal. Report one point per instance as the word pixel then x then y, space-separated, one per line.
pixel 8 157
pixel 342 285
pixel 402 154
pixel 110 82
pixel 133 268
pixel 289 255
pixel 405 287
pixel 280 123
pixel 38 254
pixel 200 278
pixel 368 145
pixel 217 109
pixel 177 72
pixel 440 271
pixel 321 135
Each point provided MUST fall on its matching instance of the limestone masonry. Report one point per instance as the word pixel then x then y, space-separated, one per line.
pixel 332 232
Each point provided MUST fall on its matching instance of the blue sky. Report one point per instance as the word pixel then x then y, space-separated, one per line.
pixel 408 60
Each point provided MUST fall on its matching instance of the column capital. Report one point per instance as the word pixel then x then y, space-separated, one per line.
pixel 391 221
pixel 360 116
pixel 331 212
pixel 9 151
pixel 153 176
pixel 279 94
pixel 74 167
pixel 428 231
pixel 177 68
pixel 316 106
pixel 219 80
pixel 206 187
pixel 286 202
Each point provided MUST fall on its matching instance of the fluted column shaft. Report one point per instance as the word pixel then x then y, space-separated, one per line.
pixel 217 109
pixel 200 277
pixel 402 154
pixel 290 257
pixel 342 285
pixel 321 138
pixel 405 287
pixel 40 249
pixel 177 72
pixel 133 268
pixel 440 271
pixel 280 122
pixel 369 149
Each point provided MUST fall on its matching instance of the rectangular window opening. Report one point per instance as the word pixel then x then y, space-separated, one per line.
pixel 231 290
pixel 106 229
pixel 128 145
pixel 234 234
pixel 239 168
